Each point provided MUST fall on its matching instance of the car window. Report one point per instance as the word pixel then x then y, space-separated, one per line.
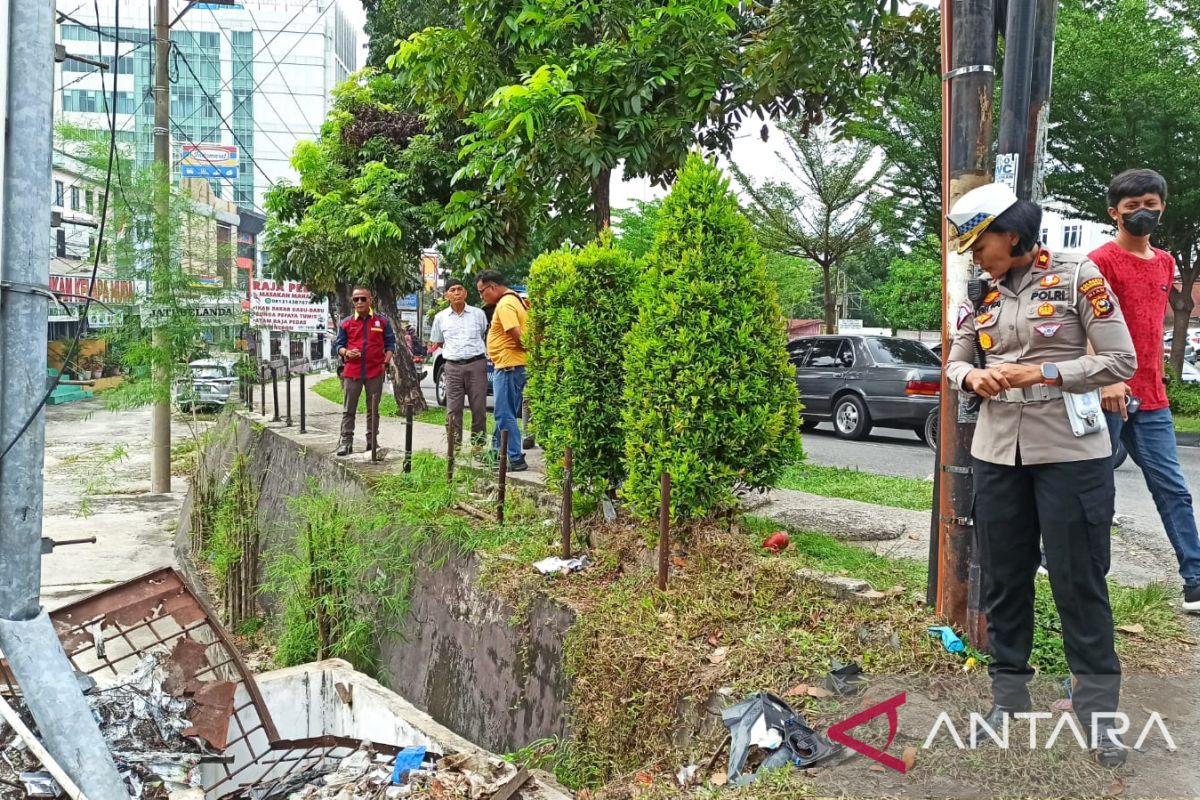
pixel 902 351
pixel 825 353
pixel 846 354
pixel 209 372
pixel 797 350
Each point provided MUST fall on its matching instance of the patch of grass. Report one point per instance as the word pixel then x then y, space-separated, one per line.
pixel 1185 424
pixel 886 490
pixel 331 389
pixel 437 416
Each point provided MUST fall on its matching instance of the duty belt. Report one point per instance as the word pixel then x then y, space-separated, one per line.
pixel 1038 393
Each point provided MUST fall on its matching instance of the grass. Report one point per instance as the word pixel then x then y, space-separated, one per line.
pixel 331 389
pixel 887 490
pixel 1187 424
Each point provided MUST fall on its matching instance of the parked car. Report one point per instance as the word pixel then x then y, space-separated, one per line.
pixel 437 363
pixel 1189 348
pixel 858 382
pixel 209 384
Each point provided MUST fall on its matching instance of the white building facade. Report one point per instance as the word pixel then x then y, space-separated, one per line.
pixel 1064 234
pixel 257 75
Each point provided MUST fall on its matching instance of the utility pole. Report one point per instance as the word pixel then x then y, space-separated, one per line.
pixel 160 419
pixel 1012 163
pixel 31 647
pixel 968 74
pixel 1029 181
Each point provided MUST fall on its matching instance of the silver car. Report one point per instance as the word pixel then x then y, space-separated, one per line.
pixel 208 385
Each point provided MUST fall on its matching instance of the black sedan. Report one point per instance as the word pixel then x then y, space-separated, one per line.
pixel 861 381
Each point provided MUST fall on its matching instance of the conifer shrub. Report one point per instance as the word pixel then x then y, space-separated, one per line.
pixel 581 308
pixel 710 396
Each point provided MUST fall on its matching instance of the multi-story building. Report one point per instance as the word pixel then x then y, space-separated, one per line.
pixel 1071 234
pixel 257 75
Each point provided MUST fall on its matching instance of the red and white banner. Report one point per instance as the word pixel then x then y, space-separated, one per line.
pixel 285 306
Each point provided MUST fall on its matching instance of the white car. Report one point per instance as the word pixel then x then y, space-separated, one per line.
pixel 209 384
pixel 1190 373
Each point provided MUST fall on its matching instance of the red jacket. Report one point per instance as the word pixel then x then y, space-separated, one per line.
pixel 373 335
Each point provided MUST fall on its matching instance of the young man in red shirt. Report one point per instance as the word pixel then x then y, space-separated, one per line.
pixel 1141 277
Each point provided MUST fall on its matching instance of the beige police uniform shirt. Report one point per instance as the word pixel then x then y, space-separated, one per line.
pixel 1034 315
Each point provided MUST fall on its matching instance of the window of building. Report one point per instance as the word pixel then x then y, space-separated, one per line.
pixel 60 243
pixel 59 193
pixel 1045 238
pixel 75 202
pixel 89 202
pixel 1072 237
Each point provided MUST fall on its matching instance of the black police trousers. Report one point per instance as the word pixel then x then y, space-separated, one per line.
pixel 1071 505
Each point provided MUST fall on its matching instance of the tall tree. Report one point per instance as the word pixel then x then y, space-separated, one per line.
pixel 558 94
pixel 824 213
pixel 911 297
pixel 391 21
pixel 1126 95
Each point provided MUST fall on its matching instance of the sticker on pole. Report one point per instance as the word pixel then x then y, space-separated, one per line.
pixel 1007 165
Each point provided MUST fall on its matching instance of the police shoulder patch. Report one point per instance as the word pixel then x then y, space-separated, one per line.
pixel 1103 307
pixel 1050 280
pixel 985 341
pixel 964 313
pixel 1091 283
pixel 992 296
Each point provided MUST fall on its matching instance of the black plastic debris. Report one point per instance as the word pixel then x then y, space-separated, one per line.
pixel 765 726
pixel 845 679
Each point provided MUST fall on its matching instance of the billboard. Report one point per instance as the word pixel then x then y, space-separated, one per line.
pixel 285 306
pixel 208 161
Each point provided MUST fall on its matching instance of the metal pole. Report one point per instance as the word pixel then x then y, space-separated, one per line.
pixel 503 475
pixel 1019 35
pixel 968 55
pixel 664 529
pixel 30 645
pixel 567 511
pixel 287 388
pixel 262 390
pixel 1029 180
pixel 275 393
pixel 408 430
pixel 302 429
pixel 160 418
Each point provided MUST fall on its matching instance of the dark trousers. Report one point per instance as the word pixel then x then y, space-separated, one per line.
pixel 351 390
pixel 1071 503
pixel 467 382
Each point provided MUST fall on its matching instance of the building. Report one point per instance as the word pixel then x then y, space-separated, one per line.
pixel 1072 235
pixel 256 76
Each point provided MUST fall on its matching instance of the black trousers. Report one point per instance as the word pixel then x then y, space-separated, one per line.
pixel 1071 504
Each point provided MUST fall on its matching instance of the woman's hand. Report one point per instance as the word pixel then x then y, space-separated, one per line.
pixel 986 383
pixel 1021 375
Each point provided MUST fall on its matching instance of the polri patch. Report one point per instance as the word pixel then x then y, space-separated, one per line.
pixel 1090 284
pixel 992 297
pixel 1050 280
pixel 1103 307
pixel 1098 293
pixel 964 313
pixel 1048 328
pixel 1043 259
pixel 985 341
pixel 983 319
pixel 1045 310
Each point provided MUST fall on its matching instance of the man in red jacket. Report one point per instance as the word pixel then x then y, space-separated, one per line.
pixel 366 343
pixel 1141 277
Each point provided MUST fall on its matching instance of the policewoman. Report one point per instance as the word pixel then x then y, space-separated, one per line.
pixel 1041 451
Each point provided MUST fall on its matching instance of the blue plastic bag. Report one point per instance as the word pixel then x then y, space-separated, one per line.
pixel 408 759
pixel 949 638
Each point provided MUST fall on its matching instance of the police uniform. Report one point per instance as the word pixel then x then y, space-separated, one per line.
pixel 1033 475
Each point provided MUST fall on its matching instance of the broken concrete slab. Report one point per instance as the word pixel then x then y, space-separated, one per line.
pixel 849 520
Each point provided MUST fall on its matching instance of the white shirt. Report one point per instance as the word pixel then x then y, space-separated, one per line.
pixel 462 336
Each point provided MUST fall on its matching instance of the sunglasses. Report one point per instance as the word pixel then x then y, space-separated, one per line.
pixel 361 299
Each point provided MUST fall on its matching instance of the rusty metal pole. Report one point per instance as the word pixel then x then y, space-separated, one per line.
pixel 450 453
pixel 503 475
pixel 302 428
pixel 1030 181
pixel 567 501
pixel 408 431
pixel 1019 36
pixel 664 529
pixel 968 76
pixel 275 393
pixel 262 390
pixel 287 389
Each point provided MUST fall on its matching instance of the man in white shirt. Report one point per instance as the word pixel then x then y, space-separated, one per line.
pixel 461 330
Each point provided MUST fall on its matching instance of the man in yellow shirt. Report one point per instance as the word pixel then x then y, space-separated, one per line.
pixel 508 355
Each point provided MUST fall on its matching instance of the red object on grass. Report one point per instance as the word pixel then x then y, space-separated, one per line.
pixel 777 541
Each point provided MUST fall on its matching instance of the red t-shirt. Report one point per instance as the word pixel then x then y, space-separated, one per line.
pixel 1142 287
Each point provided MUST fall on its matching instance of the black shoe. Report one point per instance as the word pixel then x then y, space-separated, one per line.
pixel 1191 599
pixel 518 465
pixel 1110 752
pixel 995 717
pixel 528 443
pixel 345 449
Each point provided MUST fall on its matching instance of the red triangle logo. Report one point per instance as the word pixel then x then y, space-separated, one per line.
pixel 838 732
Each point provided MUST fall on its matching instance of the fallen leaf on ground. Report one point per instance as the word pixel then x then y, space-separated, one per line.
pixel 1134 628
pixel 1116 788
pixel 877 768
pixel 909 757
pixel 719 779
pixel 714 638
pixel 677 561
pixel 643 779
pixel 799 690
pixel 819 691
pixel 718 655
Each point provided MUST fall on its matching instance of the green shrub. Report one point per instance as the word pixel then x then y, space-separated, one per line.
pixel 709 394
pixel 581 307
pixel 1184 397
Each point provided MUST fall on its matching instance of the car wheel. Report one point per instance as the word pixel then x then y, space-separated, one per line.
pixel 850 418
pixel 928 432
pixel 439 387
pixel 808 423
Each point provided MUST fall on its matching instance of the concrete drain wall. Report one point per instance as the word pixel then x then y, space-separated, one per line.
pixel 456 656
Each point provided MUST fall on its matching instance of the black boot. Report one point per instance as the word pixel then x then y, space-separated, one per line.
pixel 995 717
pixel 345 449
pixel 1110 752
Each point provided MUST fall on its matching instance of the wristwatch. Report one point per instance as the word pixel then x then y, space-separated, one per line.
pixel 1050 374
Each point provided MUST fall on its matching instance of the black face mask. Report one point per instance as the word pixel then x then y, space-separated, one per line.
pixel 1141 222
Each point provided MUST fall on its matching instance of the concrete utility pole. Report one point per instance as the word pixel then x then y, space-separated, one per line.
pixel 1029 180
pixel 160 420
pixel 27 637
pixel 968 54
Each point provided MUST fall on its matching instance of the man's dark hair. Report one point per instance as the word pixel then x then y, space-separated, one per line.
pixel 450 284
pixel 1135 183
pixel 366 289
pixel 1025 220
pixel 489 276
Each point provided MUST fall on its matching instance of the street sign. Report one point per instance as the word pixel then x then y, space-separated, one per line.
pixel 1007 165
pixel 849 325
pixel 285 306
pixel 208 161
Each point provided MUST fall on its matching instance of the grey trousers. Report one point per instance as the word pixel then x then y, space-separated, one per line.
pixel 469 382
pixel 351 389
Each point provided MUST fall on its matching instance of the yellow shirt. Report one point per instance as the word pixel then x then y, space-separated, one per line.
pixel 502 350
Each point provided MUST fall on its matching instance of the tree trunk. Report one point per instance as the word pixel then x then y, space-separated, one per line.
pixel 406 385
pixel 830 306
pixel 342 307
pixel 1181 305
pixel 602 200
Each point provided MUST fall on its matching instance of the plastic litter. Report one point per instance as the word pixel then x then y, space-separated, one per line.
pixel 769 725
pixel 39 784
pixel 845 678
pixel 949 638
pixel 407 760
pixel 555 565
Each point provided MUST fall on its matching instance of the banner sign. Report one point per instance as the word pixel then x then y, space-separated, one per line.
pixel 285 306
pixel 211 314
pixel 208 161
pixel 105 290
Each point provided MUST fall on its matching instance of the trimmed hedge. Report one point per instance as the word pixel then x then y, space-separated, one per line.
pixel 709 394
pixel 581 308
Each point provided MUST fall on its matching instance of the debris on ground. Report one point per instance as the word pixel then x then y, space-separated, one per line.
pixel 949 638
pixel 777 542
pixel 560 566
pixel 845 679
pixel 766 733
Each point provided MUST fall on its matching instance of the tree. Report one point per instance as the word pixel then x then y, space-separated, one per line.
pixel 824 216
pixel 556 95
pixel 638 226
pixel 581 308
pixel 1126 95
pixel 370 199
pixel 798 282
pixel 911 297
pixel 391 21
pixel 710 396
